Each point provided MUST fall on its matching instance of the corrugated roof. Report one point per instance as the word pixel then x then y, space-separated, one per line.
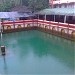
pixel 8 14
pixel 13 15
pixel 57 11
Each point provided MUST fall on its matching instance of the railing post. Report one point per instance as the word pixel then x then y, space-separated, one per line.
pixel 3 28
pixel 24 23
pixel 14 24
pixel 68 30
pixel 33 22
pixel 58 28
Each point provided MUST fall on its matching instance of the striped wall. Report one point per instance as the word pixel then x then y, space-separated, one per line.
pixel 67 30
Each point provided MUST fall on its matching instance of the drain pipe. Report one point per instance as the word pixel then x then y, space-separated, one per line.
pixel 2 46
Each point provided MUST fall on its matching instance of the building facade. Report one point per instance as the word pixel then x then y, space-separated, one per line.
pixel 62 3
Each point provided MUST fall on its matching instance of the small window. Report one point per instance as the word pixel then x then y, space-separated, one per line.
pixel 51 17
pixel 61 18
pixel 70 19
pixel 48 17
pixel 56 18
pixel 41 17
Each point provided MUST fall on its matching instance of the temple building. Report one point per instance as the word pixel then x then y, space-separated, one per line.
pixel 62 3
pixel 60 11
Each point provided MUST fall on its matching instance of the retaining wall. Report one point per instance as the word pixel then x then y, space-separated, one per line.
pixel 59 29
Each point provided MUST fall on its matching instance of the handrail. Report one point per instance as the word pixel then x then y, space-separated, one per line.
pixel 39 22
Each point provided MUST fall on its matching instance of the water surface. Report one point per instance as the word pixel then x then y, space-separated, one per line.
pixel 34 52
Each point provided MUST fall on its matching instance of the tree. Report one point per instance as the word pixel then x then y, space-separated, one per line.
pixel 6 6
pixel 34 5
pixel 37 5
pixel 25 2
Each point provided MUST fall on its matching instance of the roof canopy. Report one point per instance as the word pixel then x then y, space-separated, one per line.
pixel 58 11
pixel 13 15
pixel 8 14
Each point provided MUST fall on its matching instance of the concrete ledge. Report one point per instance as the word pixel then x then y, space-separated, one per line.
pixel 53 32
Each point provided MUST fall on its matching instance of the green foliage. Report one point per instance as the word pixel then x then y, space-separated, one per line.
pixel 6 6
pixel 34 5
pixel 37 5
pixel 25 2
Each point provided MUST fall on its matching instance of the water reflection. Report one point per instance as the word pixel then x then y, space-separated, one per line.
pixel 5 66
pixel 61 48
pixel 43 45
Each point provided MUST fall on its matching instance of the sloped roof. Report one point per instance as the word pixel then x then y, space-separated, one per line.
pixel 57 11
pixel 8 14
pixel 13 15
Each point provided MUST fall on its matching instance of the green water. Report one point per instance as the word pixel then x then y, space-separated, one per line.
pixel 34 52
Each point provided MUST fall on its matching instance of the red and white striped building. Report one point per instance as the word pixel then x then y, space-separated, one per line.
pixel 62 3
pixel 58 21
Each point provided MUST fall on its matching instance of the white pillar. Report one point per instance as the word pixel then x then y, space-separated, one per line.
pixel 45 16
pixel 38 16
pixel 54 18
pixel 65 19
